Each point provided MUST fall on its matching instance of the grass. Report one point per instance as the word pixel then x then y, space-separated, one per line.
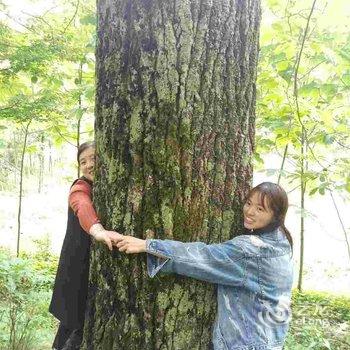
pixel 320 321
pixel 25 292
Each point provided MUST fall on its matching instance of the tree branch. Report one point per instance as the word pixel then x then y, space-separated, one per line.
pixel 341 222
pixel 73 17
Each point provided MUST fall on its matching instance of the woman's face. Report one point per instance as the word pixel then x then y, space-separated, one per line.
pixel 255 215
pixel 87 163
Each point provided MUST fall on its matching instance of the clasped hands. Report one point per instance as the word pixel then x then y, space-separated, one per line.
pixel 127 244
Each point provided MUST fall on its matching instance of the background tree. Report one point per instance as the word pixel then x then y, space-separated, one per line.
pixel 175 130
pixel 302 109
pixel 54 54
pixel 46 81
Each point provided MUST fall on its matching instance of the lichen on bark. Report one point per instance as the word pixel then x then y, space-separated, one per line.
pixel 175 111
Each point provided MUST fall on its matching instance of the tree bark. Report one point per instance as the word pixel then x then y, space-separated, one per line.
pixel 175 112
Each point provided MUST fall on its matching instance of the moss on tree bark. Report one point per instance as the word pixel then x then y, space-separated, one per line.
pixel 175 111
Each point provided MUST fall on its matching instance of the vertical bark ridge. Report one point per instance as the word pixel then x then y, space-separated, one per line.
pixel 174 131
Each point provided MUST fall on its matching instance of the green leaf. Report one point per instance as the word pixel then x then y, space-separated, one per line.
pixel 271 172
pixel 344 54
pixel 257 158
pixel 321 190
pixel 270 83
pixel 277 26
pixel 88 19
pixel 286 74
pixel 311 89
pixel 313 191
pixel 328 139
pixel 347 186
pixel 282 66
pixel 346 79
pixel 90 93
pixel 32 149
pixel 329 89
pixel 34 79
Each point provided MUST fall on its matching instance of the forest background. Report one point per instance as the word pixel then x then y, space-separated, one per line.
pixel 302 130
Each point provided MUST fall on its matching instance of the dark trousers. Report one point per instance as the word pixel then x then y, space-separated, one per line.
pixel 67 338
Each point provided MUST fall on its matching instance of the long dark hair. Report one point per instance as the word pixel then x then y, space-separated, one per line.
pixel 277 200
pixel 83 147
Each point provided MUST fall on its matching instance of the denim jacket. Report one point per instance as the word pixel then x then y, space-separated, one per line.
pixel 254 275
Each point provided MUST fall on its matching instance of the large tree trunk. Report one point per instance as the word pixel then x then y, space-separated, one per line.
pixel 174 129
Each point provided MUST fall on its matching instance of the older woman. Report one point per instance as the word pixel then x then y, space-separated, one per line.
pixel 70 289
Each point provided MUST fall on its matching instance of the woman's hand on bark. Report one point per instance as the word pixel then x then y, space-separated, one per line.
pixel 109 238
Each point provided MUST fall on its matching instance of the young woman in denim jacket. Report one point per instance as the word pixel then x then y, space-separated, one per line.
pixel 253 272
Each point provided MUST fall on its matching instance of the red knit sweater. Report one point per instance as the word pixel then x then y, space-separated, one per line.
pixel 81 203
